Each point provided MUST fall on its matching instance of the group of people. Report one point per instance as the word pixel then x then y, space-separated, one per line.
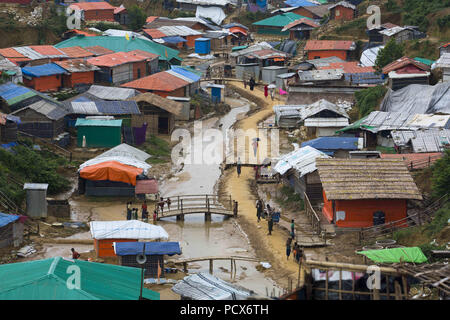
pixel 297 250
pixel 251 83
pixel 132 213
pixel 265 212
pixel 270 89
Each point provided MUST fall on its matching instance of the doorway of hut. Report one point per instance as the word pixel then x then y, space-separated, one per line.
pixel 379 218
pixel 163 125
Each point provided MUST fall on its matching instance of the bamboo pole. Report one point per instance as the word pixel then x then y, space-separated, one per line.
pixel 347 266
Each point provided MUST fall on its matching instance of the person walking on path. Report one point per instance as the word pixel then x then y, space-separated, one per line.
pixel 252 83
pixel 259 209
pixel 245 83
pixel 135 213
pixel 292 229
pixel 155 216
pixel 266 91
pixel 238 167
pixel 269 219
pixel 144 211
pixel 272 93
pixel 129 210
pixel 288 248
pixel 168 203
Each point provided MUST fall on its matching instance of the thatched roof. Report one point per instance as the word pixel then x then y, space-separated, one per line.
pixel 160 102
pixel 350 179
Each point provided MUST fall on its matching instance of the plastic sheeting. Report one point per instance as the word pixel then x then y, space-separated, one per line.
pixel 416 98
pixel 125 150
pixel 396 255
pixel 112 171
pixel 302 159
pixel 7 219
pixel 203 286
pixel 369 56
pixel 215 14
pixel 289 46
pixel 151 248
pixel 127 229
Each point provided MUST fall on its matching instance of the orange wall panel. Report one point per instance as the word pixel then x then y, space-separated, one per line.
pixel 303 12
pixel 44 84
pixel 344 13
pixel 104 247
pixel 142 65
pixel 78 77
pixel 99 15
pixel 312 54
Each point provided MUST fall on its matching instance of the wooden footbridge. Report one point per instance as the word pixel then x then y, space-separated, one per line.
pixel 194 204
pixel 232 259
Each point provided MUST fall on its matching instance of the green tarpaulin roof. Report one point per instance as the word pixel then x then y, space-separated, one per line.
pixel 239 48
pixel 280 20
pixel 428 62
pixel 395 255
pixel 355 125
pixel 121 44
pixel 47 280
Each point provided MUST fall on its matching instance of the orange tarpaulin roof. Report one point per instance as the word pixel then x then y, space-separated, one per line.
pixel 112 171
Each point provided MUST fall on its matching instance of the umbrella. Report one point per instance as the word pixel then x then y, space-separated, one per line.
pixel 272 86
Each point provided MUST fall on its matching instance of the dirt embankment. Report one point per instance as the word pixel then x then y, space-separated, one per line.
pixel 23 36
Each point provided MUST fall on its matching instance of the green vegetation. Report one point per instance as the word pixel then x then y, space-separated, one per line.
pixel 52 21
pixel 250 17
pixel 359 24
pixel 423 49
pixel 29 165
pixel 391 52
pixel 137 17
pixel 368 99
pixel 440 180
pixel 289 199
pixel 416 11
pixel 159 150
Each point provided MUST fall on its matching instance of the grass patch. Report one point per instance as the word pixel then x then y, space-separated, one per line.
pixel 289 199
pixel 159 149
pixel 388 150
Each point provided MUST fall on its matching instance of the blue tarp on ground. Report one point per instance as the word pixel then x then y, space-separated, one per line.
pixel 151 248
pixel 186 73
pixel 328 144
pixel 48 69
pixel 176 39
pixel 299 3
pixel 6 219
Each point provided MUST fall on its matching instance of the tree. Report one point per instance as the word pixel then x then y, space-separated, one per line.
pixel 440 179
pixel 368 99
pixel 391 52
pixel 137 17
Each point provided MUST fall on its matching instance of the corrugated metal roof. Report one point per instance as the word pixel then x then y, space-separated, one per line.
pixel 320 75
pixel 279 20
pixel 98 123
pixel 403 62
pixel 180 76
pixel 99 50
pixel 35 186
pixel 443 61
pixel 431 141
pixel 112 93
pixel 351 179
pixel 298 22
pixel 326 122
pixel 116 59
pixel 48 69
pixel 391 31
pixel 117 107
pixel 303 160
pixel 76 52
pixel 348 67
pixel 344 4
pixel 12 53
pixel 29 53
pixel 49 51
pixel 319 45
pixel 324 61
pixel 76 65
pixel 161 81
pixel 93 6
pixel 46 108
pixel 125 150
pixel 155 33
pixel 179 31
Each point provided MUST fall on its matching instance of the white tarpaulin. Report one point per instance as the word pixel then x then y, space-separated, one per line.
pixel 215 14
pixel 125 150
pixel 369 56
pixel 127 229
pixel 125 160
pixel 302 159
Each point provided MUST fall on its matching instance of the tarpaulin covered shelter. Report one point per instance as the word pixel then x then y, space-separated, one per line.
pixel 203 286
pixel 335 146
pixel 396 255
pixel 99 133
pixel 105 233
pixel 46 77
pixel 48 280
pixel 154 252
pixel 11 230
pixel 111 171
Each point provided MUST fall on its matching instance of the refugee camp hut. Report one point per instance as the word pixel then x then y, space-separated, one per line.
pixel 189 75
pixel 248 70
pixel 342 11
pixel 269 74
pixel 94 11
pixel 43 118
pixel 111 93
pixel 444 63
pixel 316 49
pixel 46 77
pixel 220 40
pixel 162 83
pixel 419 141
pixel 98 133
pixel 202 45
pixel 374 33
pixel 47 280
pixel 287 116
pixel 323 118
pixel 114 172
pixel 187 35
pixel 186 113
pixel 338 147
pixel 8 128
pixel 147 189
pixel 36 199
pixel 119 67
pixel 105 233
pixel 445 48
pixel 216 92
pixel 121 15
pixel 328 77
pixel 307 9
pixel 97 50
pixel 275 24
pixel 9 71
pixel 361 193
pixel 11 230
pixel 298 171
pixel 130 252
pixel 400 34
pixel 79 72
pixel 77 52
pixel 239 30
pixel 158 112
pixel 204 286
pixel 282 80
pixel 300 29
pixel 406 71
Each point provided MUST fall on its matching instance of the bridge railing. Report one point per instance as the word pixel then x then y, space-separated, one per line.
pixel 208 201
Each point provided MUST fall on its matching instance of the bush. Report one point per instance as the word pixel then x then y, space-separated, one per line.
pixel 368 99
pixel 137 17
pixel 290 199
pixel 391 52
pixel 440 180
pixel 159 150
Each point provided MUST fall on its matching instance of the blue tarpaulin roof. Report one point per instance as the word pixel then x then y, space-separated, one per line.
pixel 151 248
pixel 48 69
pixel 11 90
pixel 176 39
pixel 7 219
pixel 332 143
pixel 186 73
pixel 299 3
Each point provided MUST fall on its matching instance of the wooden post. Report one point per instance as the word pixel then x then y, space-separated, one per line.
pixel 208 213
pixel 398 291
pixel 387 287
pixel 353 285
pixel 211 266
pixel 235 210
pixel 376 294
pixel 231 203
pixel 185 269
pixel 340 284
pixel 231 270
pixel 326 285
pixel 405 287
